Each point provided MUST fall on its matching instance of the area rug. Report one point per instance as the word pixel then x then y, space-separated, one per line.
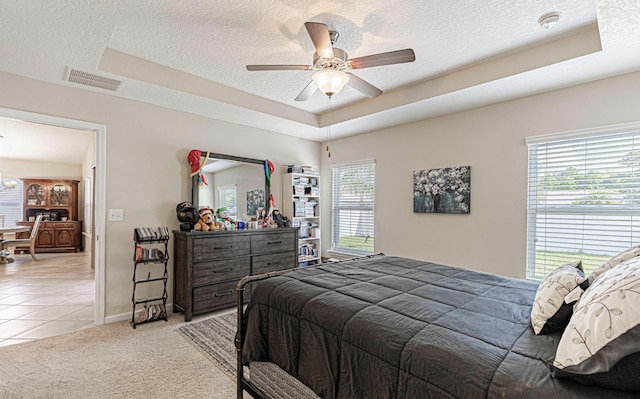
pixel 214 337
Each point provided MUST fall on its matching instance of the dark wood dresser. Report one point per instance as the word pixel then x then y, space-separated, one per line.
pixel 208 265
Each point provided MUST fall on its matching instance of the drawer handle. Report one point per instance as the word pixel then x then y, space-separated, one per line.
pixel 223 270
pixel 226 293
pixel 229 247
pixel 274 242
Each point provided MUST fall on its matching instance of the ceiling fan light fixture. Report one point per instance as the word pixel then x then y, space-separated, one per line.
pixel 7 184
pixel 330 81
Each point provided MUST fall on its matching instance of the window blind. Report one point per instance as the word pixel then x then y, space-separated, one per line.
pixel 352 226
pixel 228 200
pixel 583 200
pixel 11 204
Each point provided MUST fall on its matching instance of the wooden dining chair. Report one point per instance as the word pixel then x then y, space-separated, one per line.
pixel 31 241
pixel 1 225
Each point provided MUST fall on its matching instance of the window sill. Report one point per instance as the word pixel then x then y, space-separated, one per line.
pixel 347 254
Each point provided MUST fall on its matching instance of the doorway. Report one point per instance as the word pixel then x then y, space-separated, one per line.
pixel 99 184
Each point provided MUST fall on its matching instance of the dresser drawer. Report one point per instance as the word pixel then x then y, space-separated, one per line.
pixel 211 247
pixel 221 270
pixel 273 262
pixel 269 243
pixel 63 225
pixel 215 296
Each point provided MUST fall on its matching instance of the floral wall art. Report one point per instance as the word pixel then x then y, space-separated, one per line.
pixel 255 200
pixel 445 190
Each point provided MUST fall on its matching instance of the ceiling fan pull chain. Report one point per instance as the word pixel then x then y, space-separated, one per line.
pixel 329 125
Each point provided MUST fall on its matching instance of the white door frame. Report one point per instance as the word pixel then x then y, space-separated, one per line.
pixel 100 205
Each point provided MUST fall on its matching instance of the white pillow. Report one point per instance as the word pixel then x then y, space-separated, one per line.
pixel 551 310
pixel 614 261
pixel 605 326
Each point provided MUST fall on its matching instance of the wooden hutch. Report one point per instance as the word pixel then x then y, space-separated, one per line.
pixel 57 201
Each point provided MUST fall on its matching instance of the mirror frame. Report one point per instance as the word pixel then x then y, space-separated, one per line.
pixel 194 179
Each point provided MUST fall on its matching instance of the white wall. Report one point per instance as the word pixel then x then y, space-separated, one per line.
pixel 147 169
pixel 246 178
pixel 491 140
pixel 88 162
pixel 206 194
pixel 17 169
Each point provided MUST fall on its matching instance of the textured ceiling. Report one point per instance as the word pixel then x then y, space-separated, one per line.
pixel 192 55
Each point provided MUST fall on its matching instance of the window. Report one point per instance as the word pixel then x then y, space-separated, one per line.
pixel 11 204
pixel 352 225
pixel 228 200
pixel 584 200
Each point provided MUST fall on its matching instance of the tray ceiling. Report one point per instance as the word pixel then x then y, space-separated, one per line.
pixel 192 55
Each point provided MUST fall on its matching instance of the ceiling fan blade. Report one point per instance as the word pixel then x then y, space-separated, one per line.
pixel 279 67
pixel 320 37
pixel 392 57
pixel 307 92
pixel 363 86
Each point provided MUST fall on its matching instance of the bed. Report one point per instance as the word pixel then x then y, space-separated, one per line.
pixel 392 327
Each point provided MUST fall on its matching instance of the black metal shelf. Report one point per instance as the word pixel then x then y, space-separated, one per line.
pixel 150 311
pixel 147 300
pixel 160 317
pixel 149 280
pixel 154 241
pixel 150 261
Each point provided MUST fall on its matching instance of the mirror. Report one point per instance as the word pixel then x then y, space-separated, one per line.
pixel 236 183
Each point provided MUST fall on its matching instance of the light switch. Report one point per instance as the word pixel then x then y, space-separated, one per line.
pixel 115 215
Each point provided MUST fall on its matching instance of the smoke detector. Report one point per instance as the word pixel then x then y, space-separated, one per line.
pixel 548 21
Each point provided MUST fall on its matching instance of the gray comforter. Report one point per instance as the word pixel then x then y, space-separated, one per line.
pixel 391 327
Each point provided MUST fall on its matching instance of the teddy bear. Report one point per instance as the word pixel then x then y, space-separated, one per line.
pixel 206 221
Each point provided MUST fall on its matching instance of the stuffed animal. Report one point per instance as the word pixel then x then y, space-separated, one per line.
pixel 206 221
pixel 279 219
pixel 187 215
pixel 223 217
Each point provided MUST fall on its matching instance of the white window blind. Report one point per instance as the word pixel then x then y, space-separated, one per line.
pixel 583 201
pixel 228 200
pixel 11 204
pixel 352 227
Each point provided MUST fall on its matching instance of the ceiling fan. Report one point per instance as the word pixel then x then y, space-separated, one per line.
pixel 332 65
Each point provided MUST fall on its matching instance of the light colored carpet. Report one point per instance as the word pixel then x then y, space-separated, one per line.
pixel 113 361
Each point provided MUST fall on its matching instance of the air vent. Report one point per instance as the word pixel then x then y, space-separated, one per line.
pixel 89 79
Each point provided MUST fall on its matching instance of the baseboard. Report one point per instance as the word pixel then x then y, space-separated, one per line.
pixel 127 315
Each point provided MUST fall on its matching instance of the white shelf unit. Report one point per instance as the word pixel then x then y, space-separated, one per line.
pixel 301 203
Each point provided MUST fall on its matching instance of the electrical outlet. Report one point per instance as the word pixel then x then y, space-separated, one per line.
pixel 115 215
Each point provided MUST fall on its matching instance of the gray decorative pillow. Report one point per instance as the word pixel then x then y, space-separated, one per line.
pixel 605 326
pixel 553 306
pixel 614 261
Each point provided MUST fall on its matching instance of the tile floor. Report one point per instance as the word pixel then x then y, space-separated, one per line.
pixel 50 296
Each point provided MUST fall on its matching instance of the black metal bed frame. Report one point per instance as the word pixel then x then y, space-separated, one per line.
pixel 242 384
